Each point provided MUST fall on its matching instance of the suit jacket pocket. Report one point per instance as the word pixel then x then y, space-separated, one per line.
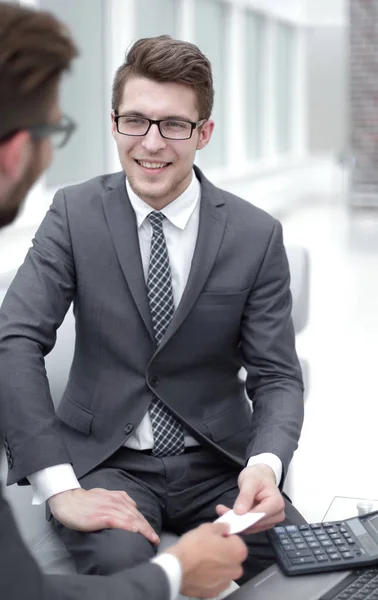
pixel 75 416
pixel 222 298
pixel 228 423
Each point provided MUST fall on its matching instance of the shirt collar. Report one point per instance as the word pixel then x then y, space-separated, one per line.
pixel 178 212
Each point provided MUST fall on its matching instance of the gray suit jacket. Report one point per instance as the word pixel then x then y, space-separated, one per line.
pixel 235 311
pixel 21 578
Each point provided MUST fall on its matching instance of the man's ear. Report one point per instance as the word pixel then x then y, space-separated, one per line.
pixel 15 156
pixel 114 127
pixel 205 134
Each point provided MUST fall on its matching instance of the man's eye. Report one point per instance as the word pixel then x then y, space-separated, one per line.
pixel 133 121
pixel 176 124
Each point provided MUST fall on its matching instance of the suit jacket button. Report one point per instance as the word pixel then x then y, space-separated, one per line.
pixel 6 445
pixel 153 380
pixel 10 462
pixel 8 453
pixel 129 428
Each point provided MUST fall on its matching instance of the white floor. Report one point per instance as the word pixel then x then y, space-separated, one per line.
pixel 339 446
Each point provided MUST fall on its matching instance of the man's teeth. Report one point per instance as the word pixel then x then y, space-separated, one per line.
pixel 152 165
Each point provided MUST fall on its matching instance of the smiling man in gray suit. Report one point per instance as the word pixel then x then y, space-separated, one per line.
pixel 176 285
pixel 35 49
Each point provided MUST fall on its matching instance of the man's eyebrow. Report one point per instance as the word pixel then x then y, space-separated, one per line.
pixel 136 113
pixel 131 113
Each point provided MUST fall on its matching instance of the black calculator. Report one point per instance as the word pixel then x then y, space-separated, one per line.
pixel 332 546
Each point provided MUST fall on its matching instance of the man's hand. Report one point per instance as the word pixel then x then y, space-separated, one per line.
pixel 210 559
pixel 258 493
pixel 92 510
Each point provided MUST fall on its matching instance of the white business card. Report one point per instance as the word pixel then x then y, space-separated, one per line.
pixel 239 523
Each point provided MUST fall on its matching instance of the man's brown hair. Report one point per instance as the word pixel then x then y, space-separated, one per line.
pixel 165 59
pixel 35 49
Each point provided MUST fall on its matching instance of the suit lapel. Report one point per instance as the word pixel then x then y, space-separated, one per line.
pixel 121 220
pixel 212 223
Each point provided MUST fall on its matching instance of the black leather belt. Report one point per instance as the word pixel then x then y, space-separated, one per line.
pixel 188 449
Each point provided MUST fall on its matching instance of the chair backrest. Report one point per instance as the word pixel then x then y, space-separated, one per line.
pixel 299 265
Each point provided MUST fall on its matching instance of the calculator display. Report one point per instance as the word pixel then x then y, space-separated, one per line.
pixel 356 527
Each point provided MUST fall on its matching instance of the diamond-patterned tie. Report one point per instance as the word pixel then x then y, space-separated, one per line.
pixel 168 432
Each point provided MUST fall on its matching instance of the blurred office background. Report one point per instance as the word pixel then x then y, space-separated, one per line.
pixel 286 129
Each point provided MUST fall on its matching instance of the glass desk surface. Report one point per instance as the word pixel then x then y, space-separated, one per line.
pixel 343 507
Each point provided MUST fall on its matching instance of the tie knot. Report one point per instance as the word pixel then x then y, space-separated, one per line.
pixel 156 219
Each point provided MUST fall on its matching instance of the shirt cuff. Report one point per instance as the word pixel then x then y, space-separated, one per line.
pixel 52 480
pixel 267 458
pixel 172 567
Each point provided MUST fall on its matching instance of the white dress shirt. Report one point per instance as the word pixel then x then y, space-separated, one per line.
pixel 180 229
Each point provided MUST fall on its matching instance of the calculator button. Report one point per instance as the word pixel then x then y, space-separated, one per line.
pixel 303 560
pixel 303 527
pixel 322 536
pixel 291 528
pixel 343 529
pixel 335 536
pixel 326 543
pixel 289 547
pixel 279 529
pixel 347 555
pixel 310 538
pixel 321 557
pixel 314 544
pixel 338 542
pixel 283 539
pixel 334 556
pixel 343 548
pixel 299 553
pixel 315 526
pixel 326 525
pixel 301 546
pixel 331 550
pixel 351 542
pixel 331 530
pixel 318 551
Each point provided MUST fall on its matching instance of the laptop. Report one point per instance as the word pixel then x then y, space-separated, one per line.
pixel 272 584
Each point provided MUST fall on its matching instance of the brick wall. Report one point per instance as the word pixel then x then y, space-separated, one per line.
pixel 363 37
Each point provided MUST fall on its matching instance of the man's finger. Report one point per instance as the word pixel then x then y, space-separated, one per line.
pixel 221 509
pixel 221 528
pixel 271 506
pixel 244 501
pixel 116 520
pixel 265 523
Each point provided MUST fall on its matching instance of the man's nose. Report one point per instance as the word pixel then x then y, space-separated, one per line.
pixel 153 140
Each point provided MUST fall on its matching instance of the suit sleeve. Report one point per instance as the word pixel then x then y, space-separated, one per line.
pixel 20 576
pixel 33 308
pixel 274 380
pixel 147 581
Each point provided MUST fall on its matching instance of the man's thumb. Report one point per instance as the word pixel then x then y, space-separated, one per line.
pixel 245 499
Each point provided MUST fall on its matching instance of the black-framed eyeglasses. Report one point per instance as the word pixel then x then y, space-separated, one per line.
pixel 59 132
pixel 170 129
